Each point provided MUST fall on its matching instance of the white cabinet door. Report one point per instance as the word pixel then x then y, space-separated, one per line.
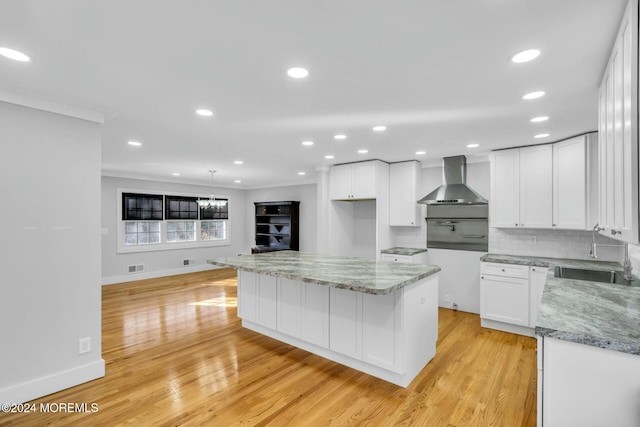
pixel 364 180
pixel 537 279
pixel 345 322
pixel 382 331
pixel 303 311
pixel 247 295
pixel 314 316
pixel 504 299
pixel 266 301
pixel 536 186
pixel 353 181
pixel 403 181
pixel 618 126
pixel 588 386
pixel 289 309
pixel 505 189
pixel 570 183
pixel 340 186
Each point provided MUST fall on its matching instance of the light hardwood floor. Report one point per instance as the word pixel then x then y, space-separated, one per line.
pixel 177 355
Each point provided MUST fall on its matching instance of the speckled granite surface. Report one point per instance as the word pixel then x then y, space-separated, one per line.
pixel 398 250
pixel 604 315
pixel 356 274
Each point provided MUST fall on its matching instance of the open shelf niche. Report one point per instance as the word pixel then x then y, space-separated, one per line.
pixel 277 226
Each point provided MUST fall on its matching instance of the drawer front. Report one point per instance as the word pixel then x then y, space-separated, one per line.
pixel 406 259
pixel 507 270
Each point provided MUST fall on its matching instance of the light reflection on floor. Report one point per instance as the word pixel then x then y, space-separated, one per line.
pixel 218 302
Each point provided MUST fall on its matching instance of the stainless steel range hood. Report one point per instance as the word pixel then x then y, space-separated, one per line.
pixel 454 189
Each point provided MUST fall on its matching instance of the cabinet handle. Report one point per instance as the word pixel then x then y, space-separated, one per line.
pixel 503 270
pixel 482 277
pixel 553 225
pixel 516 225
pixel 533 269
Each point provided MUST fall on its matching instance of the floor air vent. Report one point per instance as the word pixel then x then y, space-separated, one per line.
pixel 136 268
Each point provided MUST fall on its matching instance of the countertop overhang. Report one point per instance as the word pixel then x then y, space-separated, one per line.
pixel 605 315
pixel 356 274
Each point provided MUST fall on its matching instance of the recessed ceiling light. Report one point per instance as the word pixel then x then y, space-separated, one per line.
pixel 238 162
pixel 329 156
pixel 134 143
pixel 340 136
pixel 421 152
pixel 541 135
pixel 472 145
pixel 525 56
pixel 539 119
pixel 203 112
pixel 307 143
pixel 533 95
pixel 237 181
pixel 379 128
pixel 363 151
pixel 297 72
pixel 175 174
pixel 302 173
pixel 14 54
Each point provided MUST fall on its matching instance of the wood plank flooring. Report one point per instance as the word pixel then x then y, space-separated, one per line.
pixel 176 355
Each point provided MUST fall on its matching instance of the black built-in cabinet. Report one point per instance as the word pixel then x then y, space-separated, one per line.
pixel 277 226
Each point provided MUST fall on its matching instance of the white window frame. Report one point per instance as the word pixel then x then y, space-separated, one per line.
pixel 164 245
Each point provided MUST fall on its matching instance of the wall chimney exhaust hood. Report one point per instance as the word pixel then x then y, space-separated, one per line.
pixel 454 189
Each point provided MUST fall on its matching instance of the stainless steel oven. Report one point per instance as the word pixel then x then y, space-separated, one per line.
pixel 462 227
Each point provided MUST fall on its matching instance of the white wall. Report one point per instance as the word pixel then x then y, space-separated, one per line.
pixel 50 228
pixel 165 262
pixel 305 194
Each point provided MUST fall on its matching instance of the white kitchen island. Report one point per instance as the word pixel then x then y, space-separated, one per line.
pixel 378 317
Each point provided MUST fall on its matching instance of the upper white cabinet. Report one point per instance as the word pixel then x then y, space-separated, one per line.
pixel 521 187
pixel 574 179
pixel 353 181
pixel 618 134
pixel 505 190
pixel 536 186
pixel 403 194
pixel 545 186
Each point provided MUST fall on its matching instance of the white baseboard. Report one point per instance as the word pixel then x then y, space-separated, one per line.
pixel 39 387
pixel 155 274
pixel 508 327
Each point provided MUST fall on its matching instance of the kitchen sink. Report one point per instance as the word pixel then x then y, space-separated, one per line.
pixel 607 276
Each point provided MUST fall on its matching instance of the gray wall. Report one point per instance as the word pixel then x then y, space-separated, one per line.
pixel 164 262
pixel 305 194
pixel 51 295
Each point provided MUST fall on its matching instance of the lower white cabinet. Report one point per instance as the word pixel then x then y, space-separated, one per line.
pixel 390 336
pixel 258 295
pixel 586 386
pixel 537 279
pixel 345 308
pixel 504 299
pixel 510 296
pixel 303 311
pixel 382 331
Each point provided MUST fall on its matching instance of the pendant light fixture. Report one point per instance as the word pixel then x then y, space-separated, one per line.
pixel 211 202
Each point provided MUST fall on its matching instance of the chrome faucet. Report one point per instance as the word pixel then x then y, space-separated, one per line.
pixel 626 263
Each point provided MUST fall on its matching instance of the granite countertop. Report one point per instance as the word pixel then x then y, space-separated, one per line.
pixel 356 274
pixel 605 315
pixel 399 250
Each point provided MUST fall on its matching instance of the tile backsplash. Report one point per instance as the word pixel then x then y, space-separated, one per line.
pixel 574 244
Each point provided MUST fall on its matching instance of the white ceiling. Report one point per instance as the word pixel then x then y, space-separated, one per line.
pixel 435 72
